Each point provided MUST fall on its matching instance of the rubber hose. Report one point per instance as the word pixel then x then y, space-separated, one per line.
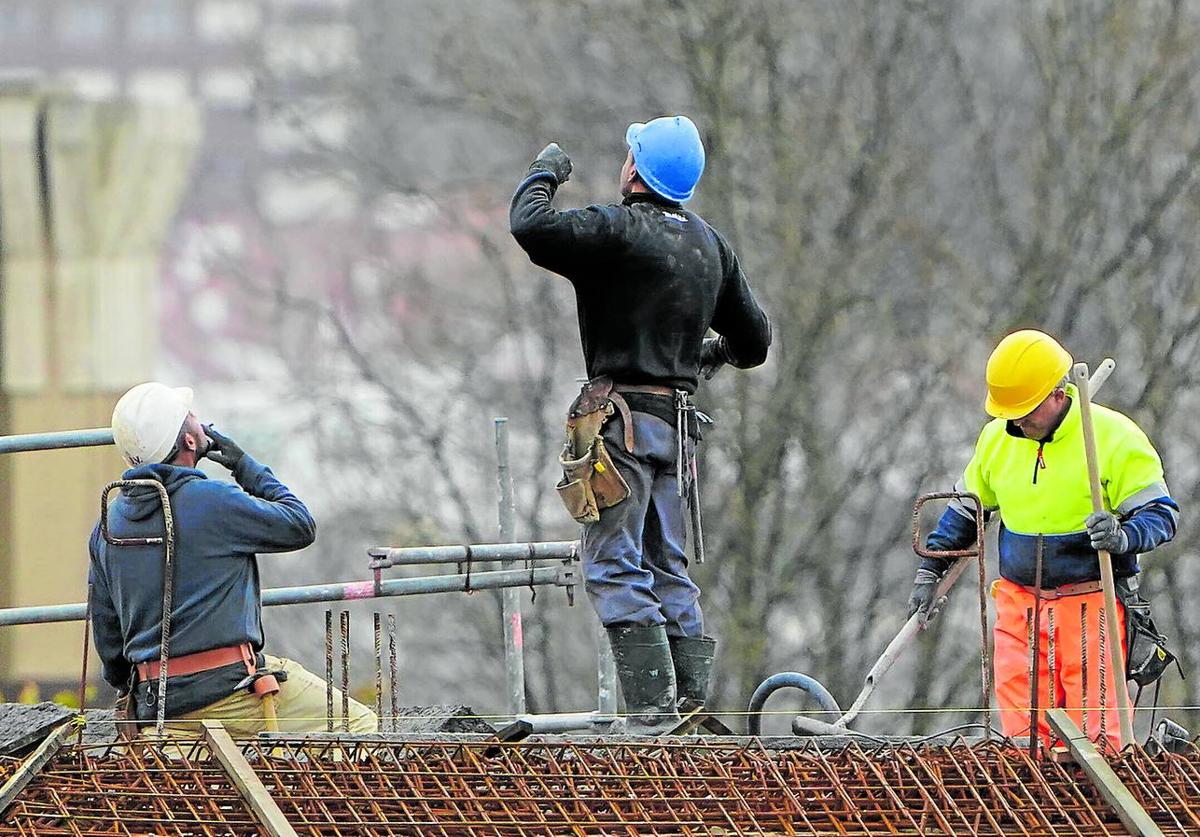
pixel 783 680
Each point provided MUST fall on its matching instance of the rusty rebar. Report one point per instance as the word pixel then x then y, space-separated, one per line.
pixel 1083 662
pixel 1051 659
pixel 1031 662
pixel 393 671
pixel 345 624
pixel 87 625
pixel 378 674
pixel 329 671
pixel 1036 649
pixel 334 786
pixel 1103 670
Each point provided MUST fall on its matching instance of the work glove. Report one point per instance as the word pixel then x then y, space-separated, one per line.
pixel 1106 533
pixel 714 353
pixel 554 160
pixel 223 450
pixel 921 600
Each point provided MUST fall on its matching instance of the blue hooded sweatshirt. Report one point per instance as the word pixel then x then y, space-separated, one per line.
pixel 219 530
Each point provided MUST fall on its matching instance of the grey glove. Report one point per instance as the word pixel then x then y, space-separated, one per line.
pixel 921 600
pixel 223 451
pixel 1104 528
pixel 554 160
pixel 714 354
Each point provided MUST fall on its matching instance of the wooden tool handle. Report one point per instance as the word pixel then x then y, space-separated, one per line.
pixel 1116 652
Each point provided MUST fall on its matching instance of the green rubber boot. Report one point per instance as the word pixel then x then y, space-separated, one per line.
pixel 643 658
pixel 693 660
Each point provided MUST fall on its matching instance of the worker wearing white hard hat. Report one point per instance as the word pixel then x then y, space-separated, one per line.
pixel 216 667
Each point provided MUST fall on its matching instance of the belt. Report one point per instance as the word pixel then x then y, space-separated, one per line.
pixel 1078 589
pixel 649 389
pixel 201 661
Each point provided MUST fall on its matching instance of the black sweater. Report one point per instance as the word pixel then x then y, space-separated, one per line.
pixel 650 279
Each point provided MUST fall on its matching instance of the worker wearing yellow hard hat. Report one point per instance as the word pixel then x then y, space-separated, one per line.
pixel 1029 468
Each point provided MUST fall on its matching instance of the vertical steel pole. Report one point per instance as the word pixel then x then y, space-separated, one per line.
pixel 329 671
pixel 1083 653
pixel 378 674
pixel 514 659
pixel 607 672
pixel 345 624
pixel 87 624
pixel 1036 649
pixel 1103 742
pixel 393 671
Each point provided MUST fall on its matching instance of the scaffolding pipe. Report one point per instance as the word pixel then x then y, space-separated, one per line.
pixel 57 440
pixel 552 723
pixel 559 576
pixel 514 642
pixel 383 557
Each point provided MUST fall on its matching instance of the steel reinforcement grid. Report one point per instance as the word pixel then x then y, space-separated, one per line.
pixel 692 787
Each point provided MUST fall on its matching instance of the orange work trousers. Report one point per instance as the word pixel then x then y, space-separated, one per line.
pixel 1064 686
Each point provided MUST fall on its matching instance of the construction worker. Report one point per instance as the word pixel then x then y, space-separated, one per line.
pixel 650 279
pixel 216 667
pixel 1030 468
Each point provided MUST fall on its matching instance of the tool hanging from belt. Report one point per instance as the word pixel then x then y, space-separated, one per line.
pixel 264 684
pixel 687 433
pixel 590 480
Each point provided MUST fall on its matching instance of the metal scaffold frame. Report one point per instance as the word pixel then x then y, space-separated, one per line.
pixel 553 563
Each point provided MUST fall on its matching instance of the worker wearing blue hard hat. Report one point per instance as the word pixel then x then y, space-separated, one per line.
pixel 651 279
pixel 668 154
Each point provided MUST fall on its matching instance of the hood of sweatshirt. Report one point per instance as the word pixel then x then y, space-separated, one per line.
pixel 142 501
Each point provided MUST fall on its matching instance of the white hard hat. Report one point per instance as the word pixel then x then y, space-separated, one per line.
pixel 147 419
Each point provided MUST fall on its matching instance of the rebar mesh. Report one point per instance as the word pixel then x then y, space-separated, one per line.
pixel 693 787
pixel 176 789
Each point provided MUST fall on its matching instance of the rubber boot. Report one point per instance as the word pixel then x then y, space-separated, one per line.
pixel 693 659
pixel 643 658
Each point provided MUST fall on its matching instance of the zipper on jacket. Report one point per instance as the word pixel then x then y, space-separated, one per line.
pixel 1039 463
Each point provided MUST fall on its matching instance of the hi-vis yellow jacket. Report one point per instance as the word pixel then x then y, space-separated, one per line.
pixel 1043 488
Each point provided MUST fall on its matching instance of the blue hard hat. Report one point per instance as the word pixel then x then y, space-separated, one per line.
pixel 669 155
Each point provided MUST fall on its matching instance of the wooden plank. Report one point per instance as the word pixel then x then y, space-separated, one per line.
pixel 248 784
pixel 1132 814
pixel 38 759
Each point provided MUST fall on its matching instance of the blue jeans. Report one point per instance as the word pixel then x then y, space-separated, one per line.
pixel 635 567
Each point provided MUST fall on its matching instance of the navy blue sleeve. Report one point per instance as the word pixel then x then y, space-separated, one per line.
pixel 263 515
pixel 106 626
pixel 566 241
pixel 1151 525
pixel 954 531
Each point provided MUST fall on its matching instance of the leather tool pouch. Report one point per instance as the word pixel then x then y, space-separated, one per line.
pixel 1146 654
pixel 591 481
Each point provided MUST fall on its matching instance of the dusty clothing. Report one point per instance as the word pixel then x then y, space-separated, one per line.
pixel 650 277
pixel 300 706
pixel 219 531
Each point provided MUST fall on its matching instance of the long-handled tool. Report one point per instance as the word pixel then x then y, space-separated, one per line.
pixel 1116 652
pixel 895 649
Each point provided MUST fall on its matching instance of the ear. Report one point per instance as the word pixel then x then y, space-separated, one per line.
pixel 190 442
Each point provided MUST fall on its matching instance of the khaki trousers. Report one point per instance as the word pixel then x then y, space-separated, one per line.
pixel 300 705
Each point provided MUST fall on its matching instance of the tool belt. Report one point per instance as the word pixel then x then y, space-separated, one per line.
pixel 591 481
pixel 1081 588
pixel 143 688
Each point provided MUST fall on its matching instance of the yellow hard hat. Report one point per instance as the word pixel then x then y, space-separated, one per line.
pixel 1022 371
